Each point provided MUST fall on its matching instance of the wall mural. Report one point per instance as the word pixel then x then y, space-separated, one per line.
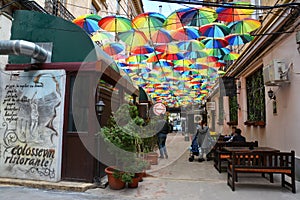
pixel 31 124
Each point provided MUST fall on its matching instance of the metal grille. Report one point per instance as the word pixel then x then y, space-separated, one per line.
pixel 56 8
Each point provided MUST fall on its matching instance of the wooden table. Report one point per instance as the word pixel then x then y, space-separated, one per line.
pixel 246 149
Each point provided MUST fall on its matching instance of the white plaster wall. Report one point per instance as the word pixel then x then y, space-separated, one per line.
pixel 282 130
pixel 5 30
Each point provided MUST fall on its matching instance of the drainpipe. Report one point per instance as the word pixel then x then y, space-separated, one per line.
pixel 24 48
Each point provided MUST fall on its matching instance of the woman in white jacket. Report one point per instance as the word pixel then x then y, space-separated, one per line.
pixel 203 139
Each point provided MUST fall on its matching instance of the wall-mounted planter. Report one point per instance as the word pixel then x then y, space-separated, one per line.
pixel 260 123
pixel 249 123
pixel 232 123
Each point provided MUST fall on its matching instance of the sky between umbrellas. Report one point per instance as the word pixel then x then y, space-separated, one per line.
pixel 177 58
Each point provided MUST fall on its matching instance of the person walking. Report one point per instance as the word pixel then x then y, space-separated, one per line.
pixel 162 137
pixel 203 140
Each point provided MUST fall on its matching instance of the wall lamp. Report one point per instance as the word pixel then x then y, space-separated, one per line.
pixel 271 94
pixel 100 107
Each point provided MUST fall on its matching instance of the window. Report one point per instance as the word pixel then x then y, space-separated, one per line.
pixel 256 96
pixel 81 108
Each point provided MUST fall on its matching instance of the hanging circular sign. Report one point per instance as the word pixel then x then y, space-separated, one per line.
pixel 159 109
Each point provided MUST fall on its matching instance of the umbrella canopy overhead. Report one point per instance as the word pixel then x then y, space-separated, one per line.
pixel 177 58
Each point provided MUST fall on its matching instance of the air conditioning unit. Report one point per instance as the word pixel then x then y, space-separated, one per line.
pixel 276 73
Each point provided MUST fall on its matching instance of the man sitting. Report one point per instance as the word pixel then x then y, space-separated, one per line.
pixel 238 136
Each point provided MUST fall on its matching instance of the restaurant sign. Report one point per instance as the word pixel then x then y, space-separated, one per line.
pixel 32 105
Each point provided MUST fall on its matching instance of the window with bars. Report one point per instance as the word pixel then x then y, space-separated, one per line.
pixel 256 97
pixel 233 110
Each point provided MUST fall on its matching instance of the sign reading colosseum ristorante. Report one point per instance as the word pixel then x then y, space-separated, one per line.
pixel 31 124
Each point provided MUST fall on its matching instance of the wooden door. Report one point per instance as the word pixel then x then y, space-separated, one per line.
pixel 77 163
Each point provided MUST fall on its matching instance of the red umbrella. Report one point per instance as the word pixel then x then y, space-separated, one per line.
pixel 230 14
pixel 142 49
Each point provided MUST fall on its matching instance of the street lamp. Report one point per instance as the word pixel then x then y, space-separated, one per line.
pixel 99 109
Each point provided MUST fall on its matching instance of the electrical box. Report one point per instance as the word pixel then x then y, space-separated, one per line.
pixel 275 73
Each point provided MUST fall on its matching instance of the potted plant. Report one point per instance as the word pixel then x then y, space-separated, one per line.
pixel 123 140
pixel 114 178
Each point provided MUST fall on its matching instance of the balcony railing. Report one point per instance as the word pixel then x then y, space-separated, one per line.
pixel 52 7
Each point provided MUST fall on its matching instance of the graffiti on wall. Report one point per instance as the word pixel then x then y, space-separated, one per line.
pixel 31 124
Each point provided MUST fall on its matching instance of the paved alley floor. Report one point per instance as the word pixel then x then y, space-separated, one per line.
pixel 173 178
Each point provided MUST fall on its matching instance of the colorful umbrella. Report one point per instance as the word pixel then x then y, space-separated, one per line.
pixel 101 35
pixel 207 59
pixel 198 66
pixel 167 48
pixel 231 56
pixel 238 39
pixel 142 49
pixel 133 38
pixel 113 48
pixel 191 45
pixel 154 58
pixel 244 26
pixel 230 13
pixel 148 22
pixel 88 22
pixel 198 16
pixel 187 33
pixel 136 58
pixel 172 56
pixel 173 21
pixel 217 52
pixel 215 30
pixel 215 42
pixel 160 36
pixel 115 23
pixel 195 54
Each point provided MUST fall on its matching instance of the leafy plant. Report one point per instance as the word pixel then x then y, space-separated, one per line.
pixel 127 177
pixel 256 97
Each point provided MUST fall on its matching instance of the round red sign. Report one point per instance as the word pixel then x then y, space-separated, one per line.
pixel 159 109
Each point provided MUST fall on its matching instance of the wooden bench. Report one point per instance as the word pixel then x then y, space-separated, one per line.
pixel 262 162
pixel 221 155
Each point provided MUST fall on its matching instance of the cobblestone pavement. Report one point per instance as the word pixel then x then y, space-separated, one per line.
pixel 173 178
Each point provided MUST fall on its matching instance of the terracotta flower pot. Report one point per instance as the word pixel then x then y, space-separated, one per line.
pixel 114 183
pixel 140 176
pixel 134 183
pixel 152 157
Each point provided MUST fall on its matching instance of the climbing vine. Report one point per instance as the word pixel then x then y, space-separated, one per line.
pixel 256 97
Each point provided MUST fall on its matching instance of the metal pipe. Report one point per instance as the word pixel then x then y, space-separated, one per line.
pixel 24 48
